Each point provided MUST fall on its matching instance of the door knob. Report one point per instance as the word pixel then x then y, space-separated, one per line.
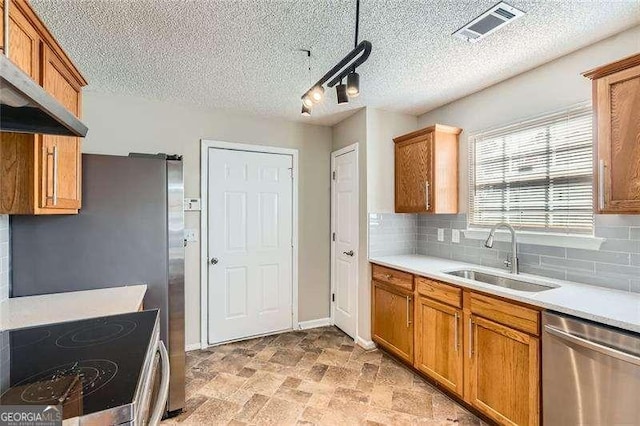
pixel 214 261
pixel 348 253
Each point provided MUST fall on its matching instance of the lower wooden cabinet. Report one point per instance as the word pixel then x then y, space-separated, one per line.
pixel 439 343
pixel 392 315
pixel 484 349
pixel 503 375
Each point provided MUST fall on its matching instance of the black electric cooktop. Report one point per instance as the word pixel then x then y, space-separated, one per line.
pixel 97 362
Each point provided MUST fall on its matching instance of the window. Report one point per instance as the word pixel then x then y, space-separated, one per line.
pixel 535 175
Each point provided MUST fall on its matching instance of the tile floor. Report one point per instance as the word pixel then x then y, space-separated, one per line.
pixel 315 376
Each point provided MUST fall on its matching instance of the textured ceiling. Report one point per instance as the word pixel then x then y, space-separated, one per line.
pixel 242 55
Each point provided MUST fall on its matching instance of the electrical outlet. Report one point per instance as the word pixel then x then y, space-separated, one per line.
pixel 190 235
pixel 440 234
pixel 455 235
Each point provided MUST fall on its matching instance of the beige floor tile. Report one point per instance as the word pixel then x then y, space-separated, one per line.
pixel 310 377
pixel 222 386
pixel 278 412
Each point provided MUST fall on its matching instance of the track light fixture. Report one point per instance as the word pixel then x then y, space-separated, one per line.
pixel 306 111
pixel 341 93
pixel 353 84
pixel 345 68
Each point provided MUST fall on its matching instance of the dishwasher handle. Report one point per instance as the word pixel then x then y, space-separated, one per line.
pixel 597 347
pixel 163 394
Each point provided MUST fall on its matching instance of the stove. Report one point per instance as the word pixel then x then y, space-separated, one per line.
pixel 96 368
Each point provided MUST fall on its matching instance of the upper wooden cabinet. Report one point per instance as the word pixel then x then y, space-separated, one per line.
pixel 41 174
pixel 426 170
pixel 616 102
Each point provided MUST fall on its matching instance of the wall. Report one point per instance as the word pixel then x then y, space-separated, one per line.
pixel 550 87
pixel 119 125
pixel 382 127
pixel 4 257
pixel 392 234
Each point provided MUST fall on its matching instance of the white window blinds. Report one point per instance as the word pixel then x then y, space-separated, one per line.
pixel 535 175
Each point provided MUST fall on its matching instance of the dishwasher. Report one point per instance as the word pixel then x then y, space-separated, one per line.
pixel 590 373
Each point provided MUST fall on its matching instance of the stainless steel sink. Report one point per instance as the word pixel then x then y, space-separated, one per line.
pixel 497 280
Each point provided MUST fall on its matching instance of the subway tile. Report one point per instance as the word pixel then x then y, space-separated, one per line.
pixel 493 263
pixel 549 273
pixel 625 246
pixel 598 256
pixel 634 233
pixel 635 286
pixel 600 280
pixel 619 232
pixel 529 259
pixel 617 220
pixel 567 264
pixel 609 269
pixel 483 253
pixel 542 250
pixel 4 221
pixel 635 259
pixel 461 257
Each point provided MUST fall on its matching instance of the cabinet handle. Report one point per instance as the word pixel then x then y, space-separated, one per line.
pixel 408 310
pixel 601 168
pixel 54 154
pixel 456 343
pixel 470 337
pixel 426 195
pixel 387 276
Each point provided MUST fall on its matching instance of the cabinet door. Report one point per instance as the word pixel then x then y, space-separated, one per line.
pixel 618 133
pixel 24 42
pixel 504 372
pixel 414 175
pixel 393 320
pixel 438 340
pixel 61 161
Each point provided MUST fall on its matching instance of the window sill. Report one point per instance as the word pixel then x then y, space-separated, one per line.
pixel 587 242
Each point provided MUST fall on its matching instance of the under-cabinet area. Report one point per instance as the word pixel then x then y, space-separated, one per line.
pixel 483 349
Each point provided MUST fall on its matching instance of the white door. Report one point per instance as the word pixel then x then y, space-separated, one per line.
pixel 344 248
pixel 250 244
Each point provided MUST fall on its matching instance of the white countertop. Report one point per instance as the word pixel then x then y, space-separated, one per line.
pixel 613 307
pixel 28 311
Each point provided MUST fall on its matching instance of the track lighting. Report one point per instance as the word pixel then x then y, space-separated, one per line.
pixel 341 92
pixel 353 84
pixel 317 93
pixel 307 101
pixel 345 68
pixel 306 111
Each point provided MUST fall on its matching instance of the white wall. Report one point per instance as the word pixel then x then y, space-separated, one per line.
pixel 549 87
pixel 382 127
pixel 119 125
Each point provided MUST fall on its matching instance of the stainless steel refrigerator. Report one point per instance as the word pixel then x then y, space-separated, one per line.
pixel 130 230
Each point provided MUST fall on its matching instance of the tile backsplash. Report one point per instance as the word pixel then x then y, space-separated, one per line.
pixel 616 265
pixel 392 234
pixel 4 257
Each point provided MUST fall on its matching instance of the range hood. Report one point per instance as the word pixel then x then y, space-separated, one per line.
pixel 25 107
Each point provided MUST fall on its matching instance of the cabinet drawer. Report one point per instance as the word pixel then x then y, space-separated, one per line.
pixel 392 276
pixel 506 313
pixel 439 291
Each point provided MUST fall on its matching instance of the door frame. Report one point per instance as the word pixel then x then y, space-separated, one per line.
pixel 353 147
pixel 205 145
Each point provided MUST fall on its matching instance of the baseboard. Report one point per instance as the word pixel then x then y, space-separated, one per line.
pixel 192 347
pixel 365 344
pixel 320 322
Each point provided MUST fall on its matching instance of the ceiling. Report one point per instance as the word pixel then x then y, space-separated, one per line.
pixel 243 56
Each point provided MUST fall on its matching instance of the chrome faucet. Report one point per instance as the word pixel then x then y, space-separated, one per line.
pixel 509 263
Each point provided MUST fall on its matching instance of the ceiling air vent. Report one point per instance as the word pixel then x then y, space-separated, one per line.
pixel 498 16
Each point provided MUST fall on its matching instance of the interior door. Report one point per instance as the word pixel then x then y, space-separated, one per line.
pixel 250 244
pixel 344 262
